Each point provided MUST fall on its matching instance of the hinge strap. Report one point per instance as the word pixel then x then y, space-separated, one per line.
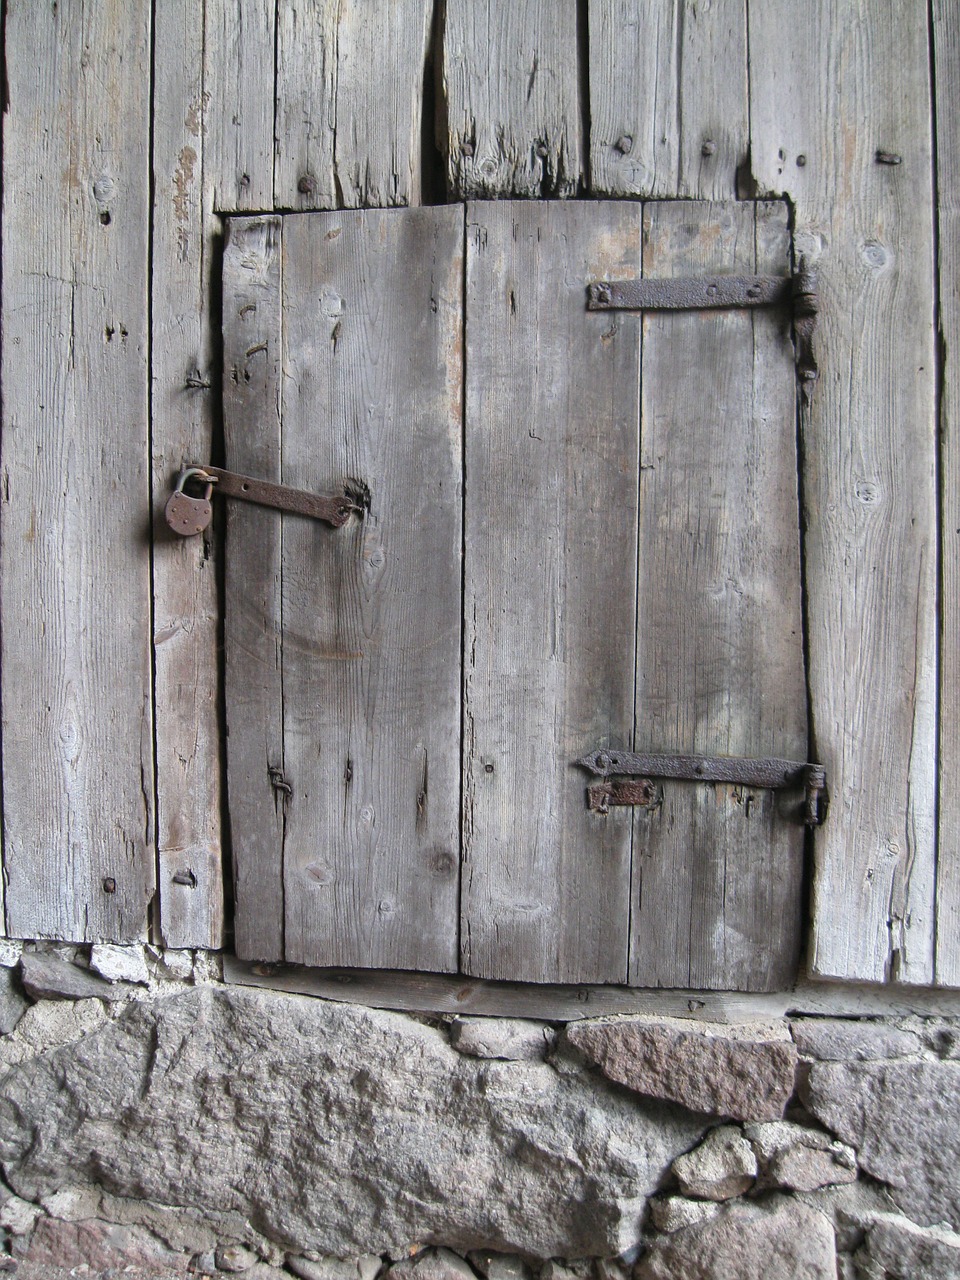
pixel 709 293
pixel 772 774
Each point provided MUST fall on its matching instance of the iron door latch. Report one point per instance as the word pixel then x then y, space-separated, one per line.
pixel 707 293
pixel 189 514
pixel 637 788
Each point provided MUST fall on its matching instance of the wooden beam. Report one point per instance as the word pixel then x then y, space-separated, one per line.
pixel 511 117
pixel 183 414
pixel 668 98
pixel 77 724
pixel 841 121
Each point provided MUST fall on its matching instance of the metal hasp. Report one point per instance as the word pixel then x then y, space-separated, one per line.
pixel 771 774
pixel 335 511
pixel 709 293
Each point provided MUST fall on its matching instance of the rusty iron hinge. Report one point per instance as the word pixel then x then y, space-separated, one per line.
pixel 716 292
pixel 769 774
pixel 189 514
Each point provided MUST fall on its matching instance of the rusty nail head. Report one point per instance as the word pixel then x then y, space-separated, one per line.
pixel 624 144
pixel 888 157
pixel 466 147
pixel 709 148
pixel 306 184
pixel 185 877
pixel 109 885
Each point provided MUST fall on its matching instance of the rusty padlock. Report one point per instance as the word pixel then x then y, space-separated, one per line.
pixel 187 515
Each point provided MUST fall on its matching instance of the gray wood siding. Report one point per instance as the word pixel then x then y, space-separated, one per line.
pixel 79 857
pixel 260 106
pixel 717 869
pixel 856 78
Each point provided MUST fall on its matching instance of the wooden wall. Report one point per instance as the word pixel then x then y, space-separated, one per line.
pixel 130 128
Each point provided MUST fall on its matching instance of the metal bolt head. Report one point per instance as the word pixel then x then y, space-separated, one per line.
pixel 709 148
pixel 801 161
pixel 306 184
pixel 624 144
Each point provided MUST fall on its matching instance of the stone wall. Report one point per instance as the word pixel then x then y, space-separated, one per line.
pixel 155 1121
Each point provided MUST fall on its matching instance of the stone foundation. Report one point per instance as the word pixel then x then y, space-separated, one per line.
pixel 155 1121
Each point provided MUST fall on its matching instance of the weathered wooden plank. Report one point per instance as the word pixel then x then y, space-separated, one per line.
pixel 550 583
pixel 186 661
pixel 350 90
pixel 372 401
pixel 252 327
pixel 851 81
pixel 717 868
pixel 668 97
pixel 510 83
pixel 240 75
pixel 77 725
pixel 442 993
pixel 946 38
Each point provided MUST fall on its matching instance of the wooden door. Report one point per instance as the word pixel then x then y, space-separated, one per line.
pixel 580 530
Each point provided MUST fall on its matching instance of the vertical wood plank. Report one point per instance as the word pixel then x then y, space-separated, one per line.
pixel 851 81
pixel 946 36
pixel 717 869
pixel 668 97
pixel 350 84
pixel 550 583
pixel 371 612
pixel 77 724
pixel 240 63
pixel 252 327
pixel 510 83
pixel 186 661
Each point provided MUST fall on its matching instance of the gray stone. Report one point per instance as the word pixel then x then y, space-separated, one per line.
pixel 904 1120
pixel 100 1247
pixel 50 1025
pixel 319 1268
pixel 13 1005
pixel 235 1259
pixel 793 1157
pixel 895 1247
pixel 740 1072
pixel 513 1039
pixel 745 1241
pixel 721 1167
pixel 432 1264
pixel 178 964
pixel 369 1266
pixel 498 1266
pixel 850 1039
pixel 10 949
pixel 119 964
pixel 336 1128
pixel 17 1216
pixel 673 1213
pixel 52 978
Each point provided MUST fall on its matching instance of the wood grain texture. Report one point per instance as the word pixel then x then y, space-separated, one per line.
pixel 550 584
pixel 447 994
pixel 668 97
pixel 511 124
pixel 77 726
pixel 372 403
pixel 350 89
pixel 946 37
pixel 186 660
pixel 252 327
pixel 240 63
pixel 716 893
pixel 852 80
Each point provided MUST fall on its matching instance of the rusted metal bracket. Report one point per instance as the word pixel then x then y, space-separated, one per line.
pixel 769 774
pixel 188 515
pixel 708 293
